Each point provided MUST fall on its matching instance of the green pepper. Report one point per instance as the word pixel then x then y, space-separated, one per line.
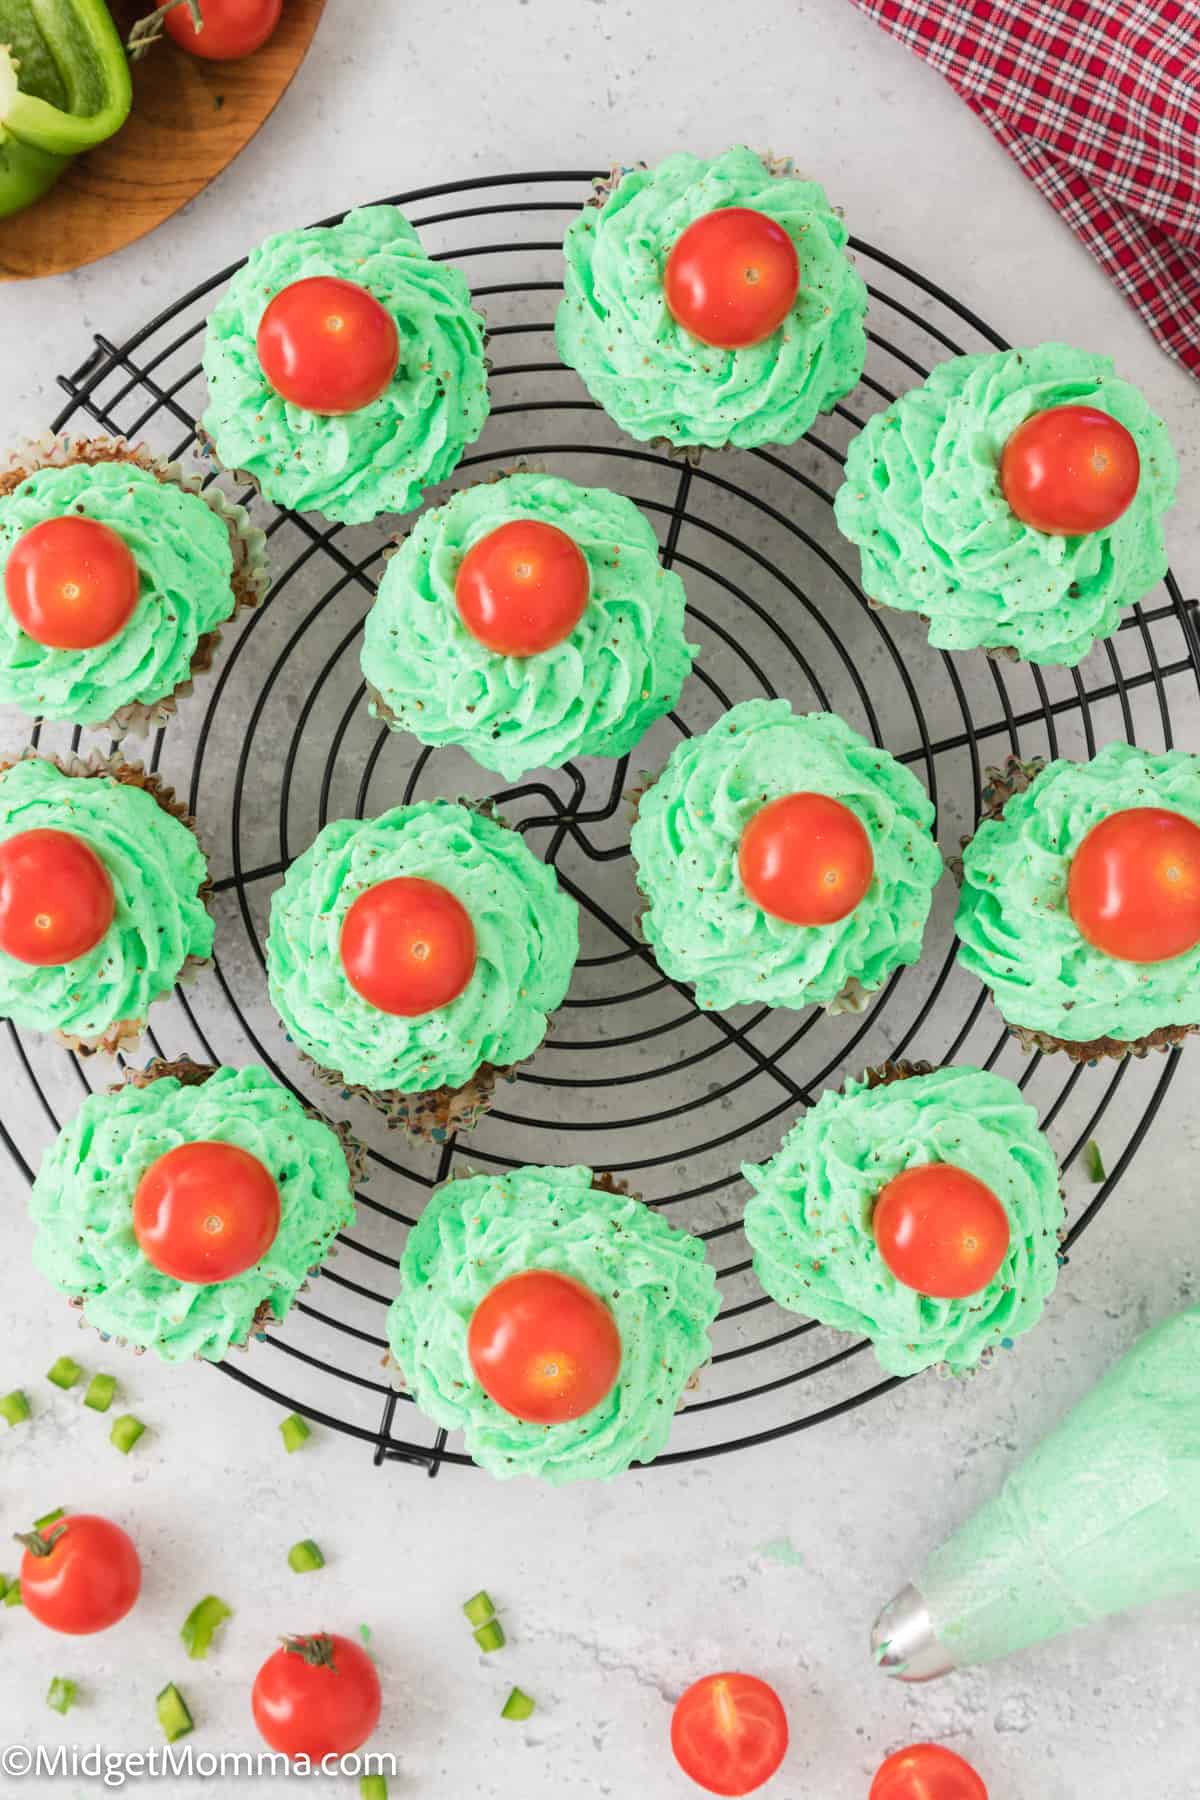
pixel 64 87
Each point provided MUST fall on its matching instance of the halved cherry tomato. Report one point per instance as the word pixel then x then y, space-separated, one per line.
pixel 317 1697
pixel 927 1772
pixel 1070 470
pixel 71 583
pixel 408 946
pixel 230 29
pixel 56 897
pixel 205 1211
pixel 732 277
pixel 941 1230
pixel 522 588
pixel 87 1577
pixel 327 345
pixel 806 858
pixel 544 1347
pixel 1134 885
pixel 729 1733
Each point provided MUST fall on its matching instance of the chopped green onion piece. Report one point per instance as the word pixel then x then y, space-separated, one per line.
pixel 13 1595
pixel 65 1373
pixel 1094 1162
pixel 101 1389
pixel 364 1632
pixel 295 1432
pixel 479 1608
pixel 125 1432
pixel 173 1714
pixel 518 1706
pixel 14 1407
pixel 372 1787
pixel 61 1695
pixel 3 1588
pixel 60 1512
pixel 305 1556
pixel 200 1626
pixel 491 1637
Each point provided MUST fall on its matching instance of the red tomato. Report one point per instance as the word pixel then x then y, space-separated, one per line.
pixel 544 1347
pixel 317 1697
pixel 408 946
pixel 732 277
pixel 327 345
pixel 806 858
pixel 1070 470
pixel 86 1579
pixel 729 1733
pixel 522 588
pixel 205 1211
pixel 927 1772
pixel 231 28
pixel 941 1231
pixel 71 583
pixel 56 898
pixel 1134 885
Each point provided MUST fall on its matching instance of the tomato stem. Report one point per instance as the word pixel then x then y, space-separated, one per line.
pixel 36 1544
pixel 317 1651
pixel 147 31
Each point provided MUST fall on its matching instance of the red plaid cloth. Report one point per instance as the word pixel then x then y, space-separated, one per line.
pixel 1099 103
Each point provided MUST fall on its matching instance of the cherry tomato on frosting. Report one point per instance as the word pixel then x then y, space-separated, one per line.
pixel 85 1579
pixel 408 946
pixel 205 1211
pixel 71 583
pixel 806 858
pixel 732 277
pixel 544 1347
pixel 327 345
pixel 729 1733
pixel 522 588
pixel 941 1231
pixel 230 28
pixel 1134 885
pixel 317 1697
pixel 1070 470
pixel 56 898
pixel 927 1772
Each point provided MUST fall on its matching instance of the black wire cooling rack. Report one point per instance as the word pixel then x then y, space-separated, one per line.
pixel 633 1079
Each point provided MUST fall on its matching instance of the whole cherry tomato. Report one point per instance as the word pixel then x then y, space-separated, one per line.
pixel 56 898
pixel 1070 470
pixel 1134 885
pixel 71 583
pixel 732 277
pixel 327 345
pixel 80 1574
pixel 806 858
pixel 230 28
pixel 205 1211
pixel 544 1347
pixel 729 1733
pixel 408 946
pixel 927 1772
pixel 317 1697
pixel 522 588
pixel 941 1231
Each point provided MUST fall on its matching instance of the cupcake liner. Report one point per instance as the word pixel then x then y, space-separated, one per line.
pixel 429 1116
pixel 249 580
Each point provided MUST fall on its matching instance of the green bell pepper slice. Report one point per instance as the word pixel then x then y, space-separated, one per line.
pixel 64 87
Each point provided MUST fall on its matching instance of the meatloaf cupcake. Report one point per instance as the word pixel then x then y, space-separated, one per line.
pixel 415 957
pixel 551 1319
pixel 712 302
pixel 186 1210
pixel 1080 906
pixel 103 898
pixel 345 368
pixel 116 573
pixel 529 621
pixel 919 1207
pixel 785 861
pixel 1014 500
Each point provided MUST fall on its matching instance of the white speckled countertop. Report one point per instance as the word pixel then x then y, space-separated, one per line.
pixel 775 1560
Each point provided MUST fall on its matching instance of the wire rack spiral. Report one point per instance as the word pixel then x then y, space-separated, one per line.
pixel 633 1078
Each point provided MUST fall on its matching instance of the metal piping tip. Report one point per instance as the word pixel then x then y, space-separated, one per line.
pixel 904 1643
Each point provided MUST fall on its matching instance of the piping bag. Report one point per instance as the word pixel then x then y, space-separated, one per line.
pixel 1103 1516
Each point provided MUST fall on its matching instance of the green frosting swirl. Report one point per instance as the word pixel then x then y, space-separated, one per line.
pixel 809 1222
pixel 157 870
pixel 185 565
pixel 526 934
pixel 922 500
pixel 1015 927
pixel 653 377
pixel 479 1230
pixel 594 694
pixel 701 922
pixel 380 459
pixel 82 1208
